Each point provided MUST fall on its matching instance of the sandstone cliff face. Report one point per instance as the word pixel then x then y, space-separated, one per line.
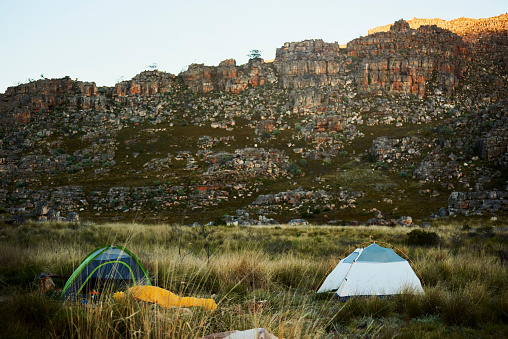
pixel 146 83
pixel 228 76
pixel 309 63
pixel 306 99
pixel 403 60
pixel 462 26
pixel 20 103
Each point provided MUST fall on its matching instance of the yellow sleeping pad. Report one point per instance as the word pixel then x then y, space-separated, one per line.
pixel 164 298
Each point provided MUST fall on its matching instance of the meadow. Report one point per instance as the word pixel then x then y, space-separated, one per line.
pixel 259 277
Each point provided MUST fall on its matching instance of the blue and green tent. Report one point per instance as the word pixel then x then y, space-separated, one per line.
pixel 106 265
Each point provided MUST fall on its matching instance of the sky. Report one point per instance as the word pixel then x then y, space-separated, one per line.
pixel 106 41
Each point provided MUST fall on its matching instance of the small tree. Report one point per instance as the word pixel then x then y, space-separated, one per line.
pixel 254 54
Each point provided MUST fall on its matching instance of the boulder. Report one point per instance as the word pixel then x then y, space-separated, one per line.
pixel 442 212
pixel 41 208
pixel 73 217
pixel 298 222
pixel 405 221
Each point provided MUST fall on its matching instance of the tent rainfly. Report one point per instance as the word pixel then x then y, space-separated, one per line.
pixel 113 264
pixel 373 270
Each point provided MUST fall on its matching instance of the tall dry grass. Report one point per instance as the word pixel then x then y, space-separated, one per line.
pixel 466 285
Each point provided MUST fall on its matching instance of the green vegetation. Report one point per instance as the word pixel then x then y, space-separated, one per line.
pixel 254 54
pixel 465 283
pixel 422 238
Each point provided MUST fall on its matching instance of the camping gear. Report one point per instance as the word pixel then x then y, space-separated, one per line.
pixel 107 265
pixel 164 298
pixel 373 270
pixel 46 283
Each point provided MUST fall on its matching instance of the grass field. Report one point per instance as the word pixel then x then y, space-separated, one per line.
pixel 466 285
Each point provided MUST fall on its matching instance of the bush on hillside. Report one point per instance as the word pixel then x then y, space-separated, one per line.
pixel 422 238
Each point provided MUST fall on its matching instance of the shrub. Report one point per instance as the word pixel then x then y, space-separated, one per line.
pixel 370 157
pixel 266 134
pixel 307 215
pixel 226 158
pixel 59 151
pixel 316 211
pixel 293 168
pixel 422 238
pixel 445 130
pixel 219 221
pixel 404 174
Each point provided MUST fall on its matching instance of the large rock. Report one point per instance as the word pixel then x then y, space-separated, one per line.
pixel 20 103
pixel 478 202
pixel 145 84
pixel 73 217
pixel 309 63
pixel 228 76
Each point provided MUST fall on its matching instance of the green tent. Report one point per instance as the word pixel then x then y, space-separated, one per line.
pixel 106 265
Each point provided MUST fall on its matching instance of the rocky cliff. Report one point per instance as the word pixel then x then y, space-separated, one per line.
pixel 404 60
pixel 146 83
pixel 462 26
pixel 310 63
pixel 276 140
pixel 228 76
pixel 19 103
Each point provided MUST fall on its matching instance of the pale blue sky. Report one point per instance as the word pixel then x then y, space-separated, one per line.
pixel 103 40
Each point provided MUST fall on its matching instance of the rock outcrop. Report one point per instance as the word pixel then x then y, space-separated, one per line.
pixel 461 26
pixel 228 76
pixel 480 202
pixel 146 83
pixel 20 103
pixel 494 144
pixel 403 60
pixel 249 161
pixel 310 63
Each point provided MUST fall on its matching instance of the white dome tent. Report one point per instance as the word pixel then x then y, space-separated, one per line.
pixel 373 270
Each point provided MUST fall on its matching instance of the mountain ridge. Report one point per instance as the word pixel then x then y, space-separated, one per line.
pixel 325 133
pixel 461 26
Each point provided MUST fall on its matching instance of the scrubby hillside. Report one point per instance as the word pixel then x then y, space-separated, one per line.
pixel 410 122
